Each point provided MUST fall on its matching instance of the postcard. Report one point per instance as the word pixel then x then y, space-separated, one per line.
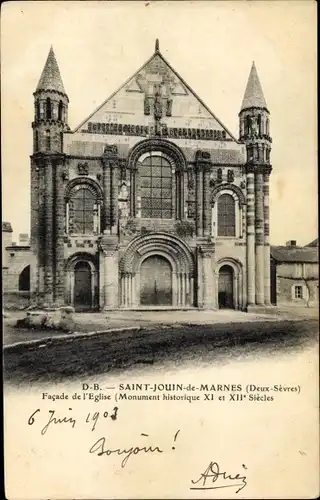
pixel 160 250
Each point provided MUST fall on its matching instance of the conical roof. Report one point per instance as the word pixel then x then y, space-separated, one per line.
pixel 50 78
pixel 253 96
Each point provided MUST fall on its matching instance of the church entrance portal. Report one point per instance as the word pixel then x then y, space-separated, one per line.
pixel 156 282
pixel 225 295
pixel 82 286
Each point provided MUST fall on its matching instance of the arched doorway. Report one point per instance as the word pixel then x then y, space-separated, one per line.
pixel 225 290
pixel 156 281
pixel 24 279
pixel 82 292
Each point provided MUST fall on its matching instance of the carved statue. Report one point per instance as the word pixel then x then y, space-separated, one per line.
pixel 230 176
pixel 157 106
pixel 111 149
pixel 169 107
pixel 123 195
pixel 146 106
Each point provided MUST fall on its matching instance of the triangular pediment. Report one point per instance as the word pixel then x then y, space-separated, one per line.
pixel 155 88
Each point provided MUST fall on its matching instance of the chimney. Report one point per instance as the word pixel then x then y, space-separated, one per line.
pixel 291 243
pixel 23 239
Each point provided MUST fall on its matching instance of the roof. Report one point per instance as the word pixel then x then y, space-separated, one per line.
pixel 294 254
pixel 6 227
pixel 313 243
pixel 50 78
pixel 157 55
pixel 253 96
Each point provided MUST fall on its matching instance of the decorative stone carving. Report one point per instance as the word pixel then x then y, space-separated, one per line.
pixel 157 106
pixel 65 175
pixel 230 176
pixel 243 184
pixel 110 150
pixel 169 107
pixel 146 105
pixel 83 168
pixel 219 175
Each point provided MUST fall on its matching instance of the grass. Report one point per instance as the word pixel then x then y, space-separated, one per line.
pixel 60 358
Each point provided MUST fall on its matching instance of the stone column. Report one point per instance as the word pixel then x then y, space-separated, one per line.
pixel 267 282
pixel 35 227
pixel 48 244
pixel 109 247
pixel 106 195
pixel 199 201
pixel 59 219
pixel 250 239
pixel 259 237
pixel 208 291
pixel 114 197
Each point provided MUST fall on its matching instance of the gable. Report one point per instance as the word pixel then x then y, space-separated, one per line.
pixel 156 89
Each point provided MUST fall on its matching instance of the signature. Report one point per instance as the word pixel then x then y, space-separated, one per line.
pixel 213 475
pixel 100 448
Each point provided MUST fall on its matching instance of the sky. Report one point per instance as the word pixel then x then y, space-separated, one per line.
pixel 98 45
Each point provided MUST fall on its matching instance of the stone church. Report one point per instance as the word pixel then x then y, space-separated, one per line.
pixel 151 202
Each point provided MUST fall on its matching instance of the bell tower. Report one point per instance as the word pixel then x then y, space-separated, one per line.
pixel 254 131
pixel 50 109
pixel 47 170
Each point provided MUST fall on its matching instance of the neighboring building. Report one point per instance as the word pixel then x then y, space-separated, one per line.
pixel 295 274
pixel 150 201
pixel 16 263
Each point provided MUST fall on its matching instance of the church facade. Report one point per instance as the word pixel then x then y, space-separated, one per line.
pixel 150 202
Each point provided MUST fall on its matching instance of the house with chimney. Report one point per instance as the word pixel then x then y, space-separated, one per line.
pixel 295 274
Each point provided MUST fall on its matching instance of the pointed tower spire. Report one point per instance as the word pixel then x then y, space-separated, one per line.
pixel 156 48
pixel 253 97
pixel 50 78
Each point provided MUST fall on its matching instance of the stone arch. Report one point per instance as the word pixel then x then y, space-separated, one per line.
pixel 80 182
pixel 238 280
pixel 176 159
pixel 234 190
pixel 93 187
pixel 240 202
pixel 176 251
pixel 70 267
pixel 163 145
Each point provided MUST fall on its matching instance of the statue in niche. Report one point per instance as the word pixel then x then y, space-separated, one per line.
pixel 230 176
pixel 157 106
pixel 169 107
pixel 146 106
pixel 123 195
pixel 219 175
pixel 123 201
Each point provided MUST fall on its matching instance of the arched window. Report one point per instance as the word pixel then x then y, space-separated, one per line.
pixel 248 125
pixel 36 141
pixel 60 111
pixel 267 127
pixel 82 211
pixel 156 187
pixel 226 215
pixel 259 125
pixel 48 140
pixel 37 110
pixel 24 279
pixel 48 108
